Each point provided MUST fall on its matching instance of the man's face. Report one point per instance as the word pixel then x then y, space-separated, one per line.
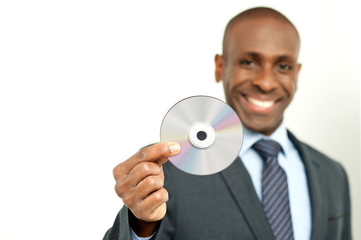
pixel 259 71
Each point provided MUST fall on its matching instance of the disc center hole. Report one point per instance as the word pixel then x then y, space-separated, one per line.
pixel 201 135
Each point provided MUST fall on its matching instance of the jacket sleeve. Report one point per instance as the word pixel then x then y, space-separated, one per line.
pixel 120 229
pixel 347 232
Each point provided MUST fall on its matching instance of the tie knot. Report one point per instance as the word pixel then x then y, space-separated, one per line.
pixel 267 148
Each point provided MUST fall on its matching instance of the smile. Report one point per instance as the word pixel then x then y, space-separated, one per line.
pixel 259 103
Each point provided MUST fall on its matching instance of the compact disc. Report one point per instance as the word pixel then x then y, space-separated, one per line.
pixel 208 131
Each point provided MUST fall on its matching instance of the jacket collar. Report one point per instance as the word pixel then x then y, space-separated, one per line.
pixel 316 187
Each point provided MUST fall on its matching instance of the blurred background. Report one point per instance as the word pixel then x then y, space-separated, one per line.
pixel 85 84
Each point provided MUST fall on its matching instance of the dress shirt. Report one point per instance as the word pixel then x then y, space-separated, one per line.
pixel 290 160
pixel 135 237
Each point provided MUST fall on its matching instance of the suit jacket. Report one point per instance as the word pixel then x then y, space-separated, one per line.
pixel 226 206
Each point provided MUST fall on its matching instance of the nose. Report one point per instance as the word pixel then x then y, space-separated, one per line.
pixel 265 80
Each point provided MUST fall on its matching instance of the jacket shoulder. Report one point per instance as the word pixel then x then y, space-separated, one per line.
pixel 318 158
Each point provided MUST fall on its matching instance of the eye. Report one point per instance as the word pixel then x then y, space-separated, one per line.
pixel 248 64
pixel 245 62
pixel 285 67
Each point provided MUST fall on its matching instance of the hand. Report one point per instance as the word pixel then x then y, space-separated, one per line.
pixel 140 181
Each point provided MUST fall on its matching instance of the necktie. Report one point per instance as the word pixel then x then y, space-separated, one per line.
pixel 275 190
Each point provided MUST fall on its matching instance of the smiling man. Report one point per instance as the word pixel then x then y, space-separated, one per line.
pixel 278 187
pixel 259 68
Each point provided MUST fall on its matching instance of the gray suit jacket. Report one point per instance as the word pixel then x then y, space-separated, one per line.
pixel 225 205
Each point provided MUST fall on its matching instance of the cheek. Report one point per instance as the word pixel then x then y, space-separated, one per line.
pixel 235 77
pixel 228 82
pixel 294 86
pixel 289 85
pixel 228 92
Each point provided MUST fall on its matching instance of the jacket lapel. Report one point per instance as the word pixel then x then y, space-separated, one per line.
pixel 316 186
pixel 240 185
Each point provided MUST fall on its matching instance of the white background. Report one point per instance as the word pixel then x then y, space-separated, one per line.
pixel 85 84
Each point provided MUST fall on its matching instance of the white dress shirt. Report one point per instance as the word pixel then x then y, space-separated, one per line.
pixel 135 237
pixel 291 162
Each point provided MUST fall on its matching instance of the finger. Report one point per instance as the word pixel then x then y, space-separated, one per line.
pixel 126 185
pixel 153 207
pixel 161 161
pixel 148 154
pixel 143 170
pixel 149 185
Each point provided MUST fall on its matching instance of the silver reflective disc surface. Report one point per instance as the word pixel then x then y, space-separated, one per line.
pixel 218 138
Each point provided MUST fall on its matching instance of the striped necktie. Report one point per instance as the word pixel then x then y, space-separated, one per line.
pixel 275 190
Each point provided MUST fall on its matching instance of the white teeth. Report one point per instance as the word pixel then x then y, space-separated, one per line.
pixel 259 103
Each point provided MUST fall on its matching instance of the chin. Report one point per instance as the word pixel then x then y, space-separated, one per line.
pixel 253 128
pixel 260 126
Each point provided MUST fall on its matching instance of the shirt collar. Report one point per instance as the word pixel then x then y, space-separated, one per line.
pixel 251 137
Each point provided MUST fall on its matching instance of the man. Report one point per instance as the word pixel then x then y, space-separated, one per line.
pixel 278 188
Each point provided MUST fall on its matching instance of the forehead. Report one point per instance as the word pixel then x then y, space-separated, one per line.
pixel 266 36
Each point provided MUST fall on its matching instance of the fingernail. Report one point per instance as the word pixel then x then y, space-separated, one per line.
pixel 174 147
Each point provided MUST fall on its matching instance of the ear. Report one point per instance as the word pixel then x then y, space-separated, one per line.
pixel 219 67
